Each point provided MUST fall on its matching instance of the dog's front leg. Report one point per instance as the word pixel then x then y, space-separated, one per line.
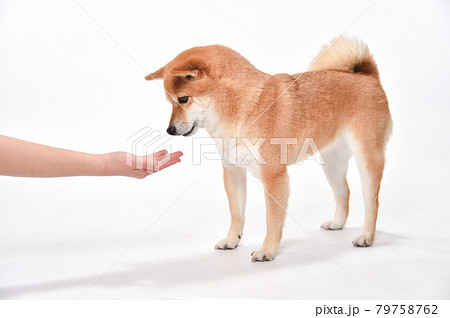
pixel 276 191
pixel 235 180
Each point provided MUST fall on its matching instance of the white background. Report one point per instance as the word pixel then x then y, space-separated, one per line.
pixel 66 83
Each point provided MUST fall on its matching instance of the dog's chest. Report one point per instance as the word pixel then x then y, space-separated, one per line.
pixel 235 153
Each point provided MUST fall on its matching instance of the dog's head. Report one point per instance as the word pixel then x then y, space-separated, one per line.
pixel 188 85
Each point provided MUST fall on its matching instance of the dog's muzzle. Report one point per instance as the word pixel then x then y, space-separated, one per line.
pixel 182 129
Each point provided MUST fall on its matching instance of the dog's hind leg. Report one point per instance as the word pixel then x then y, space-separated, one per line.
pixel 336 157
pixel 369 155
pixel 235 180
pixel 276 191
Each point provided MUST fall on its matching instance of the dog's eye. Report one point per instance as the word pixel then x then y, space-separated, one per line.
pixel 183 100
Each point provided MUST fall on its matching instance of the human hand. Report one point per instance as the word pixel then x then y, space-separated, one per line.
pixel 141 166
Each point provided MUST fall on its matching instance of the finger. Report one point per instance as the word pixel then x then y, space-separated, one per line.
pixel 171 155
pixel 158 162
pixel 161 161
pixel 160 153
pixel 169 163
pixel 176 154
pixel 147 161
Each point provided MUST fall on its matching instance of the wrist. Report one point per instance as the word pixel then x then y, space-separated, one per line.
pixel 104 164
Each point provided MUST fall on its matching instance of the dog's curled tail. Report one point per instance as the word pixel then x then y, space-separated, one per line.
pixel 346 54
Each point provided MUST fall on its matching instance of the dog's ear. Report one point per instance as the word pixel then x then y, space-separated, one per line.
pixel 159 74
pixel 183 73
pixel 190 69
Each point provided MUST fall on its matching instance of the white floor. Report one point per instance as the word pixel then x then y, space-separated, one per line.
pixel 58 236
pixel 65 83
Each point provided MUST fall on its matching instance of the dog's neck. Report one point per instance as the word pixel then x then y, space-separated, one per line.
pixel 233 108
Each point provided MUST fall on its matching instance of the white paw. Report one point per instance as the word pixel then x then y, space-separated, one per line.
pixel 262 255
pixel 331 225
pixel 362 241
pixel 228 243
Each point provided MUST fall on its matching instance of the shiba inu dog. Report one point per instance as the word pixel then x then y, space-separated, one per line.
pixel 338 103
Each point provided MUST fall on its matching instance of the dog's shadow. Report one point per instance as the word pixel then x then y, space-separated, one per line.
pixel 182 270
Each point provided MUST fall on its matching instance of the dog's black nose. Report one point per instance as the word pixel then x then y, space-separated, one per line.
pixel 172 130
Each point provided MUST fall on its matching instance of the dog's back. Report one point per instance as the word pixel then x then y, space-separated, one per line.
pixel 341 90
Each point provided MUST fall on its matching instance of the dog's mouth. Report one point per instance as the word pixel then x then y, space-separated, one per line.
pixel 193 130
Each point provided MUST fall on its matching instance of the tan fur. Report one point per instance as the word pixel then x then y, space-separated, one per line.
pixel 339 102
pixel 345 54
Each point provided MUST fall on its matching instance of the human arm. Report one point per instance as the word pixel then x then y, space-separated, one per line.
pixel 26 159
